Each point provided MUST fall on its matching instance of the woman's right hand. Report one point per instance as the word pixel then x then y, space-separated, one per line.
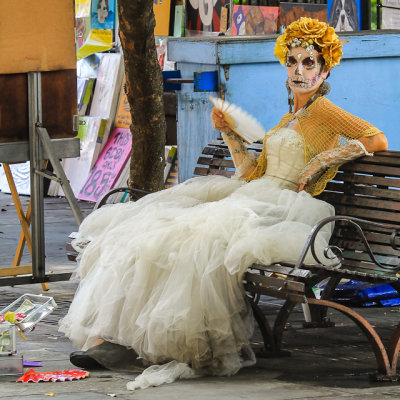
pixel 218 121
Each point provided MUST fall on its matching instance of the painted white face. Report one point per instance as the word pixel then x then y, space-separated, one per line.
pixel 304 70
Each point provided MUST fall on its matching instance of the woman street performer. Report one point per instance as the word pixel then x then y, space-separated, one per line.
pixel 162 277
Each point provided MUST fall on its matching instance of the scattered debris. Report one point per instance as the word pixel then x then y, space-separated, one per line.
pixel 30 364
pixel 56 376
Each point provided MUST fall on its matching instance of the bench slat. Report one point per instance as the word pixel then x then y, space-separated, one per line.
pixel 286 284
pixel 367 180
pixel 340 187
pixel 206 171
pixel 364 202
pixel 215 162
pixel 275 293
pixel 376 215
pixel 373 169
pixel 282 269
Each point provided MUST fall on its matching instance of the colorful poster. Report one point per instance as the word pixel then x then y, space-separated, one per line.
pixel 123 116
pixel 290 12
pixel 99 40
pixel 254 20
pixel 103 14
pixel 91 130
pixel 204 16
pixel 94 32
pixel 345 15
pixel 109 165
pixel 82 8
pixel 162 13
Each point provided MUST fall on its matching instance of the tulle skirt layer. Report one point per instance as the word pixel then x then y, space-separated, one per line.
pixel 163 275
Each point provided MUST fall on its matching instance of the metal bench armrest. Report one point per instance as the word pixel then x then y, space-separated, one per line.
pixel 356 223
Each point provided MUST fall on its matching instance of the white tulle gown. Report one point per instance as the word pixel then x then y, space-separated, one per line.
pixel 163 275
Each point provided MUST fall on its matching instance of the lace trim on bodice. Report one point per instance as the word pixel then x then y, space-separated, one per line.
pixel 287 137
pixel 285 157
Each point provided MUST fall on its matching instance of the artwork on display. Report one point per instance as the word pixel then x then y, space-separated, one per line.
pixel 82 8
pixel 91 130
pixel 94 30
pixel 123 116
pixel 162 13
pixel 345 15
pixel 108 166
pixel 290 12
pixel 391 14
pixel 21 175
pixel 204 16
pixel 106 94
pixel 103 14
pixel 254 20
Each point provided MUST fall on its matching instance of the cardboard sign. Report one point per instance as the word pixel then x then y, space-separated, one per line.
pixel 37 36
pixel 123 117
pixel 108 166
pixel 162 12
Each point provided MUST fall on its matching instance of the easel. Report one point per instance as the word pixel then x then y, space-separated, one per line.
pixel 41 148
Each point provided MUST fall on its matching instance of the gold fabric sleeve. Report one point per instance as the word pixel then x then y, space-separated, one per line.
pixel 323 126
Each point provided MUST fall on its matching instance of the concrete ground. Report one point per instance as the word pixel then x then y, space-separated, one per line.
pixel 332 363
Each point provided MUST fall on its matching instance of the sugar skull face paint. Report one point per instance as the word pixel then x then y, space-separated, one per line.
pixel 305 72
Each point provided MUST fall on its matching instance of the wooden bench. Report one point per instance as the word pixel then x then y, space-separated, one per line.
pixel 366 197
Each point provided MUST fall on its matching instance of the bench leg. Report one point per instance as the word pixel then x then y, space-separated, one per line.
pixel 271 347
pixel 386 363
pixel 319 314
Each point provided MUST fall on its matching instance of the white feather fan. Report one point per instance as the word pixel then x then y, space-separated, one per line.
pixel 242 123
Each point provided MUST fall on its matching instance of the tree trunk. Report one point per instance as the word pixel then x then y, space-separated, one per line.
pixel 144 86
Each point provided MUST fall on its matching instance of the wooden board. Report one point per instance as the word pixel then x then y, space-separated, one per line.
pixel 37 36
pixel 59 104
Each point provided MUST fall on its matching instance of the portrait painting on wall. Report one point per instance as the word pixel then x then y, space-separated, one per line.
pixel 103 14
pixel 290 12
pixel 254 20
pixel 344 15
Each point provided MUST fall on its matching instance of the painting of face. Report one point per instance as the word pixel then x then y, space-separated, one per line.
pixel 304 70
pixel 102 11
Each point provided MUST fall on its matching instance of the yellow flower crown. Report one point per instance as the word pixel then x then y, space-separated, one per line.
pixel 310 31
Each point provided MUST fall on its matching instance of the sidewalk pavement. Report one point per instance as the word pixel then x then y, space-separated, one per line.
pixel 332 363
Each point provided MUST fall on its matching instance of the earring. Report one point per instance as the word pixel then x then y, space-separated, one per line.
pixel 324 88
pixel 290 97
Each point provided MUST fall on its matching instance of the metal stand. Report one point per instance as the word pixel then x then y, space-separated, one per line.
pixel 41 147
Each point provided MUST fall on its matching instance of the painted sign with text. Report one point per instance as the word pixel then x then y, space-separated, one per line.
pixel 108 166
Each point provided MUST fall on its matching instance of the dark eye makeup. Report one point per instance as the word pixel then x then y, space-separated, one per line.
pixel 307 63
pixel 291 61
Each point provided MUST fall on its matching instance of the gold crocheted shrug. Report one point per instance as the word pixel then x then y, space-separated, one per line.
pixel 323 126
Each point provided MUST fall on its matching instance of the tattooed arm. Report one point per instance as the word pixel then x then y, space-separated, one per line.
pixel 243 159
